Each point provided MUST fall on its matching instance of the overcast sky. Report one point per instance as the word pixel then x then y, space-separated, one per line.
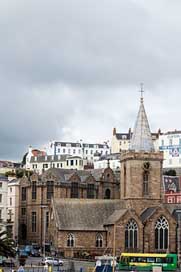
pixel 71 69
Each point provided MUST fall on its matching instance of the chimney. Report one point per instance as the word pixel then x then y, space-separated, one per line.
pixel 114 131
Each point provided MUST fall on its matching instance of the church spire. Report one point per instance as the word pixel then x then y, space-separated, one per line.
pixel 141 139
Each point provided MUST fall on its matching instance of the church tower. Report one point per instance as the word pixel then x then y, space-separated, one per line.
pixel 141 166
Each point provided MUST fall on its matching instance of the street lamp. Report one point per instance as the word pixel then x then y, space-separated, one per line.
pixel 44 207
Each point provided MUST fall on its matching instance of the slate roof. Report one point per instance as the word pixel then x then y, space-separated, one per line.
pixel 142 139
pixel 64 175
pixel 64 144
pixel 123 136
pixel 49 158
pixel 115 216
pixel 85 214
pixel 147 213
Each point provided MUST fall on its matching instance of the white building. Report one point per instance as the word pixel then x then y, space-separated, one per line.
pixel 41 163
pixel 112 160
pixel 170 144
pixel 121 141
pixel 13 207
pixel 84 150
pixel 3 201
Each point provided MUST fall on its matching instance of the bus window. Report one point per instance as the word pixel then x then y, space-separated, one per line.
pixel 141 260
pixel 158 260
pixel 150 260
pixel 169 260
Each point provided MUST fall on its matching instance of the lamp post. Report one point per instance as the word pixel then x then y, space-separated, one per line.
pixel 44 207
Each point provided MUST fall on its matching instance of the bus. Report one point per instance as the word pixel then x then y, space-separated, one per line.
pixel 146 261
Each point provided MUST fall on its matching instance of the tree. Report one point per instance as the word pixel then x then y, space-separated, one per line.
pixel 7 245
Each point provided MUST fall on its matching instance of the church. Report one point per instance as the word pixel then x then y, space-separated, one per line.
pixel 139 221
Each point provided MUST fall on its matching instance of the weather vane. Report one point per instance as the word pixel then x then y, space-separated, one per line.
pixel 141 91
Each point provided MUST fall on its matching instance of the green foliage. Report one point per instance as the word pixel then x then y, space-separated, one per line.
pixel 7 245
pixel 170 172
pixel 19 173
pixel 24 158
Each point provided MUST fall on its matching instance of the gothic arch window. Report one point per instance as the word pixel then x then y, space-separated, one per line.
pixel 33 189
pixel 74 190
pixel 161 233
pixel 107 194
pixel 70 240
pixel 131 235
pixel 99 240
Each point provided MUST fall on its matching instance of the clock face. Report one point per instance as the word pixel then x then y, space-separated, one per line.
pixel 146 165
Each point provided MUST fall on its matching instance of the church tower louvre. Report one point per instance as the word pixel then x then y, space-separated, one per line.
pixel 141 166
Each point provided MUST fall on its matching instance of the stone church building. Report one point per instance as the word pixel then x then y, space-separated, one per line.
pixel 138 221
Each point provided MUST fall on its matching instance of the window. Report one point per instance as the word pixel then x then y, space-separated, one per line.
pixel 86 152
pixel 33 221
pixel 47 221
pixel 74 190
pixel 162 142
pixel 161 234
pixel 23 193
pixel 1 184
pixel 90 191
pixel 74 151
pixel 45 165
pixel 50 190
pixel 170 141
pixel 58 150
pixel 70 240
pixel 23 211
pixel 72 162
pixel 34 166
pixel 33 188
pixel 69 151
pixel 99 240
pixel 107 194
pixel 10 201
pixel 131 235
pixel 76 162
pixel 67 163
pixel 145 183
pixel 10 189
pixel 0 198
pixel 57 165
pixel 0 214
pixel 180 141
pixel 63 150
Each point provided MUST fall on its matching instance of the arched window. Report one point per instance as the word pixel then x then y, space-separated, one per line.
pixel 74 190
pixel 107 194
pixel 33 189
pixel 131 235
pixel 99 240
pixel 145 183
pixel 161 233
pixel 70 240
pixel 50 189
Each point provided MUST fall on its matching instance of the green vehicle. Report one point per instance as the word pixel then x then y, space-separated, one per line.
pixel 146 261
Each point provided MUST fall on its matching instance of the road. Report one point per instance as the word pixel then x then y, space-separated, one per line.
pixel 33 264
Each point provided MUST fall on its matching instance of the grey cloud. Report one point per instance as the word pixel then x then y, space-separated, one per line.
pixel 71 69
